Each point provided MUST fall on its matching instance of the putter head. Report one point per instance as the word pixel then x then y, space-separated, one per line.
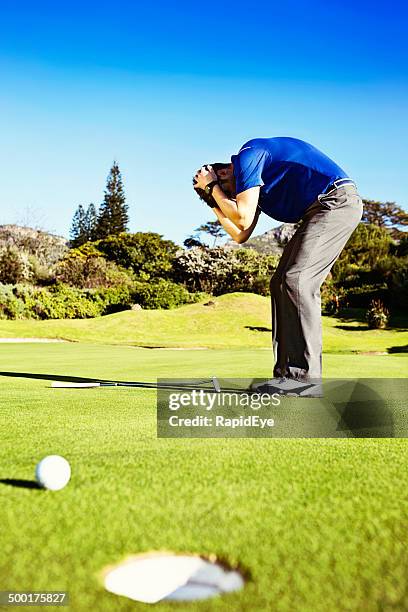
pixel 216 384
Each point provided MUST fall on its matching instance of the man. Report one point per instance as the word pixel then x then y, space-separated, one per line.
pixel 290 181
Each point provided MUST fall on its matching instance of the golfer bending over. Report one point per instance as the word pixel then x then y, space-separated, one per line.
pixel 290 181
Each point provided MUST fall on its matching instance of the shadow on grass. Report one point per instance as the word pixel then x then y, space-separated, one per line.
pixel 259 328
pixel 56 377
pixel 398 322
pixel 82 379
pixel 365 414
pixel 352 327
pixel 18 482
pixel 398 349
pixel 366 328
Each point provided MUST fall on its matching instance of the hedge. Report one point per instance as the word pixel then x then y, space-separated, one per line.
pixel 61 301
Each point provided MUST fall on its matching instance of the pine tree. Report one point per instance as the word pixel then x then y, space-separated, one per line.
pixel 91 220
pixel 83 228
pixel 78 232
pixel 113 213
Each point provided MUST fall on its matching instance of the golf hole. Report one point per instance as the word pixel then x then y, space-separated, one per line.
pixel 155 577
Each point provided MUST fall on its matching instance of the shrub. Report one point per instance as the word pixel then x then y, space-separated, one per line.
pixel 367 244
pixel 377 315
pixel 371 267
pixel 332 297
pixel 145 253
pixel 361 297
pixel 203 269
pixel 85 267
pixel 252 271
pixel 14 265
pixel 221 270
pixel 11 307
pixel 163 294
pixel 160 294
pixel 112 299
pixel 397 284
pixel 41 273
pixel 64 302
pixel 401 248
pixel 56 302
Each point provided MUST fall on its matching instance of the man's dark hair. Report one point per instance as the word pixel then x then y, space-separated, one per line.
pixel 208 199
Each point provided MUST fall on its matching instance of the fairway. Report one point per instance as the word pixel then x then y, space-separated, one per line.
pixel 314 524
pixel 234 320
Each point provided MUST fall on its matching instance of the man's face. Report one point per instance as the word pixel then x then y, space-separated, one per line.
pixel 226 179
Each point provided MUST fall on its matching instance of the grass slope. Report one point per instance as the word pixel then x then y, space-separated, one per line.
pixel 318 524
pixel 225 325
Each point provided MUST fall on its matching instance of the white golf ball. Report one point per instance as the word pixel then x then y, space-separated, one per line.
pixel 53 472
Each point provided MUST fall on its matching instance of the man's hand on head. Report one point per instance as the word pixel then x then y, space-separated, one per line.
pixel 204 176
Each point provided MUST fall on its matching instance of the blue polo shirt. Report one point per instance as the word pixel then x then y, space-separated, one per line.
pixel 290 172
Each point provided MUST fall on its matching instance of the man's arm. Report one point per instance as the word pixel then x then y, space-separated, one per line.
pixel 236 234
pixel 242 211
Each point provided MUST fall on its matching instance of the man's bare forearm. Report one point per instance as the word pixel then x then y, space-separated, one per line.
pixel 240 211
pixel 229 207
pixel 236 234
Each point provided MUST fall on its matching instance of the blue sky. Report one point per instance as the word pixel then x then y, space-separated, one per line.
pixel 165 87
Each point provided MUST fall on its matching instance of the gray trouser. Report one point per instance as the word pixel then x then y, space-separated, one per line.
pixel 295 287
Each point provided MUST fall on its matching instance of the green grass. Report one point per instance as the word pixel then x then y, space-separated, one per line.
pixel 224 325
pixel 318 524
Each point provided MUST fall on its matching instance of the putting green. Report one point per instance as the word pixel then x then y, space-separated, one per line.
pixel 317 524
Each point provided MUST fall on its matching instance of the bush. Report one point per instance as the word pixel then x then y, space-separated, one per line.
pixel 397 284
pixel 112 299
pixel 11 307
pixel 366 246
pixel 41 273
pixel 332 297
pixel 64 302
pixel 203 269
pixel 14 265
pixel 145 253
pixel 163 294
pixel 220 270
pixel 377 315
pixel 85 267
pixel 361 297
pixel 387 281
pixel 56 302
pixel 401 248
pixel 252 271
pixel 371 267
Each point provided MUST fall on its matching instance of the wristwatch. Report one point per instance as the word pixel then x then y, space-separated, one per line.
pixel 209 188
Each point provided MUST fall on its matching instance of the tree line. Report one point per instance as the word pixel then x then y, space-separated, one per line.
pixel 106 268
